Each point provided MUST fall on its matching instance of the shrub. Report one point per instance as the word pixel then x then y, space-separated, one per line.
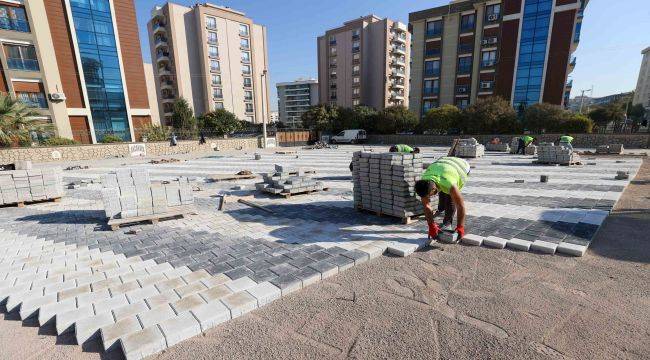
pixel 109 139
pixel 492 115
pixel 394 119
pixel 577 124
pixel 357 117
pixel 17 120
pixel 542 117
pixel 440 120
pixel 58 141
pixel 319 117
pixel 156 133
pixel 220 122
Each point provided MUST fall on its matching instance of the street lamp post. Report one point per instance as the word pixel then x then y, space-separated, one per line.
pixel 263 78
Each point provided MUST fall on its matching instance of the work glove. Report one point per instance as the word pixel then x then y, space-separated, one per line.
pixel 461 231
pixel 434 229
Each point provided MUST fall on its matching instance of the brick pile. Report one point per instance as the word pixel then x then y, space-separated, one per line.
pixel 469 148
pixel 610 149
pixel 288 180
pixel 552 154
pixel 385 183
pixel 129 193
pixel 19 186
pixel 528 150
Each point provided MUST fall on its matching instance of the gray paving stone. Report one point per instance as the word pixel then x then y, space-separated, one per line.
pixel 342 262
pixel 48 312
pixel 30 307
pixel 287 283
pixel 356 255
pixel 107 305
pixel 283 269
pixel 129 310
pixel 326 268
pixel 187 303
pixel 215 293
pixel 65 321
pixel 495 242
pixel 191 288
pixel 571 249
pixel 472 239
pixel 308 276
pixel 240 284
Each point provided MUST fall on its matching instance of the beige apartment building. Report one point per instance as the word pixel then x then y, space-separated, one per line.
pixel 642 93
pixel 86 88
pixel 365 62
pixel 212 56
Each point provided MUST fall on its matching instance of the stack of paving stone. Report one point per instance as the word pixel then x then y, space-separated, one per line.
pixel 530 150
pixel 129 193
pixel 469 148
pixel 610 149
pixel 287 181
pixel 20 186
pixel 501 147
pixel 552 154
pixel 384 183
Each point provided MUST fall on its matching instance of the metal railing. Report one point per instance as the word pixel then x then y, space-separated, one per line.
pixel 434 33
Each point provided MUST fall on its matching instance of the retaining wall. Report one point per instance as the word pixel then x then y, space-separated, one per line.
pixel 105 151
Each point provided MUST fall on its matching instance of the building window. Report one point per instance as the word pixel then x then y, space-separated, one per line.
pixel 245 56
pixel 214 65
pixel 432 49
pixel 216 79
pixel 21 57
pixel 488 58
pixel 462 103
pixel 211 23
pixel 248 95
pixel 356 80
pixel 467 22
pixel 246 69
pixel 332 40
pixel 243 30
pixel 332 95
pixel 431 87
pixel 250 119
pixel 356 69
pixel 532 53
pixel 434 28
pixel 248 82
pixel 213 51
pixel 428 105
pixel 212 37
pixel 356 45
pixel 217 93
pixel 492 12
pixel 332 51
pixel 356 56
pixel 249 107
pixel 356 33
pixel 464 65
pixel 356 102
pixel 13 18
pixel 218 105
pixel 244 43
pixel 32 99
pixel 432 68
pixel 356 91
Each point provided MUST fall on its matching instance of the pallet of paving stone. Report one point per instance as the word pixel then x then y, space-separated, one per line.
pixel 229 177
pixel 21 204
pixel 180 211
pixel 286 152
pixel 293 193
pixel 404 219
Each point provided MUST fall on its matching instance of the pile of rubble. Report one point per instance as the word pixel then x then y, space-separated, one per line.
pixel 128 193
pixel 549 153
pixel 469 148
pixel 610 149
pixel 20 186
pixel 288 181
pixel 385 183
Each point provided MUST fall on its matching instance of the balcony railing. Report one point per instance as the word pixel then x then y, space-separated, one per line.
pixel 464 70
pixel 161 40
pixel 432 52
pixel 573 61
pixel 356 49
pixel 161 55
pixel 432 73
pixel 569 84
pixel 465 48
pixel 158 26
pixel 431 91
pixel 434 33
pixel 399 49
pixel 488 63
pixel 332 42
pixel 217 96
pixel 23 64
pixel 467 27
pixel 14 24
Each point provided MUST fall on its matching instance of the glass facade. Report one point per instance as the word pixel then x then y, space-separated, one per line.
pixel 99 59
pixel 532 52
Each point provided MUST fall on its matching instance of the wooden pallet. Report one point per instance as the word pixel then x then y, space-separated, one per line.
pixel 288 195
pixel 229 177
pixel 115 224
pixel 286 152
pixel 405 220
pixel 22 204
pixel 536 162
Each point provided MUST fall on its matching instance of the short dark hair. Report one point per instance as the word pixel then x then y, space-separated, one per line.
pixel 393 149
pixel 423 187
pixel 416 150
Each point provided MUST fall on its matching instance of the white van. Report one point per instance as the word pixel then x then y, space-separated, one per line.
pixel 349 137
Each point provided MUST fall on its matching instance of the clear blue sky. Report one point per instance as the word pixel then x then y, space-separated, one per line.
pixel 609 55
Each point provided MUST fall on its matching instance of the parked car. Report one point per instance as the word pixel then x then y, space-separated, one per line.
pixel 355 136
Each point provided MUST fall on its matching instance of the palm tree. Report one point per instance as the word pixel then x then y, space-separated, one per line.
pixel 17 120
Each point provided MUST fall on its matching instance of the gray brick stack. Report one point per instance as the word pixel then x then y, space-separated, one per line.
pixel 129 193
pixel 288 180
pixel 550 153
pixel 469 148
pixel 530 150
pixel 610 149
pixel 497 147
pixel 514 145
pixel 19 186
pixel 385 183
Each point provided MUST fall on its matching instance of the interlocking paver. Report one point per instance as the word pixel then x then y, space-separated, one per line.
pixel 211 314
pixel 179 328
pixel 87 328
pixel 143 343
pixel 240 303
pixel 111 334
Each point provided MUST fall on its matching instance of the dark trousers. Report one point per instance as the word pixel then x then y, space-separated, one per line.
pixel 522 147
pixel 446 204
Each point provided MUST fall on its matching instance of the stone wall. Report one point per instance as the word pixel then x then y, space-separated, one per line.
pixel 105 151
pixel 629 141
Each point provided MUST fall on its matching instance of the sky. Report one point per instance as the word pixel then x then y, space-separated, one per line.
pixel 608 58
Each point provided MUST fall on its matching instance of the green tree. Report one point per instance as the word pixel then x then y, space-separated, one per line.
pixel 577 123
pixel 156 133
pixel 394 119
pixel 357 117
pixel 440 120
pixel 606 114
pixel 183 119
pixel 492 115
pixel 220 122
pixel 544 117
pixel 637 114
pixel 319 117
pixel 17 121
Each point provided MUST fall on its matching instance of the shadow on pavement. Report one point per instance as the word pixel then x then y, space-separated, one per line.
pixel 624 236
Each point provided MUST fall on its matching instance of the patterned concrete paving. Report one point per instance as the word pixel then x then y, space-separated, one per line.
pixel 144 292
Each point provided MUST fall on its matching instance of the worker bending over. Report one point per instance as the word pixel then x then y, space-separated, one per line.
pixel 446 178
pixel 401 148
pixel 566 140
pixel 524 141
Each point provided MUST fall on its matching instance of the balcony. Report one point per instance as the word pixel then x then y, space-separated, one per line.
pixel 14 24
pixel 399 38
pixel 399 62
pixel 356 49
pixel 167 85
pixel 486 64
pixel 162 56
pixel 332 42
pixel 465 48
pixel 217 96
pixel 333 86
pixel 160 41
pixel 573 62
pixel 397 73
pixel 248 84
pixel 397 84
pixel 396 95
pixel 168 97
pixel 435 33
pixel 215 69
pixel 332 65
pixel 569 84
pixel 399 50
pixel 23 64
pixel 159 27
pixel 429 53
pixel 164 71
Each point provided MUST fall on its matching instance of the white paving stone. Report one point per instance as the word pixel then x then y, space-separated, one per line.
pixel 240 303
pixel 265 292
pixel 543 247
pixel 495 242
pixel 111 334
pixel 211 314
pixel 571 249
pixel 87 328
pixel 179 328
pixel 471 239
pixel 143 343
pixel 519 244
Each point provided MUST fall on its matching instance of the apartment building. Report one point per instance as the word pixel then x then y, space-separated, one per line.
pixel 365 62
pixel 294 99
pixel 212 56
pixel 78 63
pixel 642 93
pixel 520 50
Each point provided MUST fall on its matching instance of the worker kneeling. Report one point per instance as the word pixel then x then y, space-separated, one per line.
pixel 405 149
pixel 446 178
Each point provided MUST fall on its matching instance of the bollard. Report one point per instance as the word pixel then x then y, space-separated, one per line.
pixel 543 178
pixel 258 157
